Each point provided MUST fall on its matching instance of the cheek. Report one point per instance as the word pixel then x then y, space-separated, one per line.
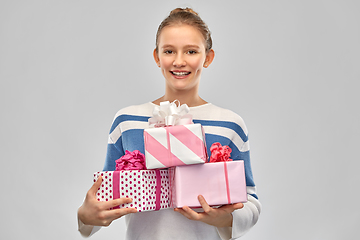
pixel 165 66
pixel 197 63
pixel 165 63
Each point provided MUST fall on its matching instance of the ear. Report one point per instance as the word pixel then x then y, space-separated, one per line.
pixel 156 58
pixel 209 58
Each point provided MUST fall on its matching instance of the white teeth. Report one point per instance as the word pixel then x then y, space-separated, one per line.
pixel 180 73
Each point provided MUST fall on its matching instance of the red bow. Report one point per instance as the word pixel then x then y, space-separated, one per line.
pixel 220 153
pixel 131 161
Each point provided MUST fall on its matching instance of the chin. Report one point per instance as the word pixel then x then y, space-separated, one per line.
pixel 181 87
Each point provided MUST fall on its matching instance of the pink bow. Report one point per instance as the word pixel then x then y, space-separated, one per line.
pixel 220 153
pixel 131 161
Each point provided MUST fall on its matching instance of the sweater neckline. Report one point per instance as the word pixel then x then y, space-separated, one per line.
pixel 195 107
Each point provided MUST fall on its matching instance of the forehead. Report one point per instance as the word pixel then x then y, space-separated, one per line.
pixel 181 35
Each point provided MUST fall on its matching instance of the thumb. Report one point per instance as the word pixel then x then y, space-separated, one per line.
pixel 94 188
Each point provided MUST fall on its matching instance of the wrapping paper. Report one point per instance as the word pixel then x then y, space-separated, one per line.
pixel 220 183
pixel 174 146
pixel 149 189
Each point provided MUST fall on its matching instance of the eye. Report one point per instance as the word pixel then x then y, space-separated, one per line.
pixel 168 51
pixel 192 52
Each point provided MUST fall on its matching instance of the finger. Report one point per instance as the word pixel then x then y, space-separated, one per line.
pixel 94 188
pixel 205 205
pixel 180 210
pixel 118 213
pixel 111 215
pixel 183 212
pixel 238 205
pixel 191 214
pixel 232 207
pixel 116 202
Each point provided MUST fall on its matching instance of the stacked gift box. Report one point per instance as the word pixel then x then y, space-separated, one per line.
pixel 175 168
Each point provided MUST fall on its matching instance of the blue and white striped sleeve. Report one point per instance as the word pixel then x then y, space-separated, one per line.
pixel 126 133
pixel 115 147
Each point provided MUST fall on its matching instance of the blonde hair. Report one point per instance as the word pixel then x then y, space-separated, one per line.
pixel 187 16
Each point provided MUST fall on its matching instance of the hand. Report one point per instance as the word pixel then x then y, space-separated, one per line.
pixel 96 213
pixel 218 217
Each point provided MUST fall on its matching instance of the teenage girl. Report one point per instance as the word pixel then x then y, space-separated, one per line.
pixel 183 49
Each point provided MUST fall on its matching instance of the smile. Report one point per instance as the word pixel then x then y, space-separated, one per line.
pixel 180 73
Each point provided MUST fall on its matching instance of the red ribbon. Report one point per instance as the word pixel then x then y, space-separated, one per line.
pixel 116 188
pixel 221 153
pixel 227 182
pixel 168 146
pixel 116 185
pixel 158 190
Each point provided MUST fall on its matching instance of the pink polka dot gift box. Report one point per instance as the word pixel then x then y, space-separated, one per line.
pixel 149 189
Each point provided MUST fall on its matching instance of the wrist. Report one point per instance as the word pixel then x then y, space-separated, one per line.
pixel 230 220
pixel 226 221
pixel 80 215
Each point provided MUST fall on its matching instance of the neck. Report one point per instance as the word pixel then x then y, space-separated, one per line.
pixel 185 97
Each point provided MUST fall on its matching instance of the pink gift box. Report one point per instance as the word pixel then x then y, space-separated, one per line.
pixel 149 189
pixel 174 146
pixel 220 183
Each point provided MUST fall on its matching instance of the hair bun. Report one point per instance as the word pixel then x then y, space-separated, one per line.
pixel 189 17
pixel 189 10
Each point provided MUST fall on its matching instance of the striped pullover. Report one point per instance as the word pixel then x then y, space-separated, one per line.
pixel 220 125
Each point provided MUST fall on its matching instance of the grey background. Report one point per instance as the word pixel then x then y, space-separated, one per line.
pixel 289 68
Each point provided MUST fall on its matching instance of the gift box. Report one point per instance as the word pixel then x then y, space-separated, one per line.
pixel 173 139
pixel 219 182
pixel 149 189
pixel 174 146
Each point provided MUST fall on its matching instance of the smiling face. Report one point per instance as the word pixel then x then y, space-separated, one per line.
pixel 181 56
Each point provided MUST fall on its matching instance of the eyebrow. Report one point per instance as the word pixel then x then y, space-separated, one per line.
pixel 186 46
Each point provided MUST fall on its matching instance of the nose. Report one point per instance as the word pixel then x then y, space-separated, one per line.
pixel 179 61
